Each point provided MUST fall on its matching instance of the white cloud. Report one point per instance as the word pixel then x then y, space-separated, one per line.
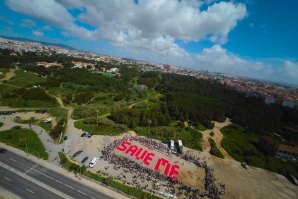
pixel 217 59
pixel 290 70
pixel 150 25
pixel 37 33
pixel 27 23
pixel 50 12
pixel 154 18
pixel 156 25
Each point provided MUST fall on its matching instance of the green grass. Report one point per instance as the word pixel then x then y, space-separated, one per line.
pixel 190 138
pixel 46 126
pixel 59 113
pixel 3 71
pixel 137 193
pixel 214 150
pixel 200 127
pixel 1 124
pixel 244 146
pixel 23 79
pixel 16 137
pixel 104 128
pixel 5 89
pixel 20 102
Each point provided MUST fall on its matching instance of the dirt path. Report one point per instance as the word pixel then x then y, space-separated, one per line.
pixel 218 136
pixel 132 105
pixel 8 75
pixel 59 100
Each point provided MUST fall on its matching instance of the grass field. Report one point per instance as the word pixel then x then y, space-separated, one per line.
pixel 190 138
pixel 2 72
pixel 214 150
pixel 23 79
pixel 17 137
pixel 46 126
pixel 5 89
pixel 103 128
pixel 59 113
pixel 244 147
pixel 21 102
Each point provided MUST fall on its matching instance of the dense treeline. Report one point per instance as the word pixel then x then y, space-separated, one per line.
pixel 149 79
pixel 185 98
pixel 203 101
pixel 158 116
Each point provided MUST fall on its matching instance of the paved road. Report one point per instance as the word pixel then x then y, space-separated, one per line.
pixel 50 178
pixel 23 187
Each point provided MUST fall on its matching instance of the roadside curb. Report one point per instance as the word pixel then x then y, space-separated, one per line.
pixel 86 181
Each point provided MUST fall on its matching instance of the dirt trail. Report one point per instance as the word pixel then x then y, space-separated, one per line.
pixel 218 136
pixel 8 75
pixel 132 105
pixel 59 100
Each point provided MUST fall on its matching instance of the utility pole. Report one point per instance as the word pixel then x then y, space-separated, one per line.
pixel 25 145
pixel 97 111
pixel 149 122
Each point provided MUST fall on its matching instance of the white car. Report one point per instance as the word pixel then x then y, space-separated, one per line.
pixel 93 162
pixel 295 181
pixel 245 165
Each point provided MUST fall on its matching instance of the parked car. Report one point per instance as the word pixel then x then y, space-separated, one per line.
pixel 84 134
pixel 89 135
pixel 294 180
pixel 245 165
pixel 84 159
pixel 2 150
pixel 93 162
pixel 77 153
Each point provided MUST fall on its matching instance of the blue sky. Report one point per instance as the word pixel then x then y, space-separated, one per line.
pixel 253 38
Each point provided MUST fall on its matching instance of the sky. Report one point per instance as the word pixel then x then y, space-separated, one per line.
pixel 250 38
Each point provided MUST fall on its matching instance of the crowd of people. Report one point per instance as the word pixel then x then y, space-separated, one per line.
pixel 141 173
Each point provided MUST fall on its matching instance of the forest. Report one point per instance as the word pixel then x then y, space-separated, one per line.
pixel 182 98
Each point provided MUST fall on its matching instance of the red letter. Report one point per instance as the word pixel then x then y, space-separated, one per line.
pixel 122 146
pixel 142 156
pixel 163 162
pixel 132 149
pixel 174 171
pixel 148 158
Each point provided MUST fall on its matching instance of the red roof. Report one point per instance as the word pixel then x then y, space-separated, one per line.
pixel 288 148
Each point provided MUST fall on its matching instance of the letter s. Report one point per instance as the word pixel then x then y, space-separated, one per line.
pixel 122 146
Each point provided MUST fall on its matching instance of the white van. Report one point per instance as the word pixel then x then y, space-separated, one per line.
pixel 93 162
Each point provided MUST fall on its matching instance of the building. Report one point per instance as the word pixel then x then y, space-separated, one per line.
pixel 287 152
pixel 281 151
pixel 78 64
pixel 48 65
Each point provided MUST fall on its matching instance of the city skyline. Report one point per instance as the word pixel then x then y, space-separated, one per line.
pixel 247 38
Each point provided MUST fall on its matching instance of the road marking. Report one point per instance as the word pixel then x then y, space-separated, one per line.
pixel 29 190
pixel 31 168
pixel 81 192
pixel 68 186
pixel 6 178
pixel 43 174
pixel 12 159
pixel 38 183
pixel 58 181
